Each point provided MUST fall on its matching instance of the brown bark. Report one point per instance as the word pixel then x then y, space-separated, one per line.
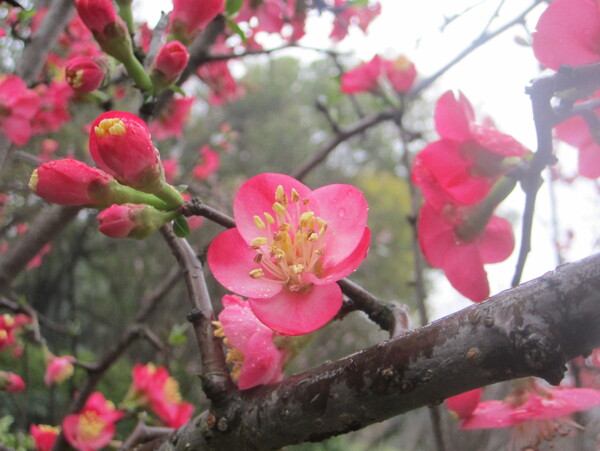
pixel 533 329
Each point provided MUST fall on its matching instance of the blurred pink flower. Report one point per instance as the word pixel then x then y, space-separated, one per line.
pixel 170 122
pixel 18 105
pixel 209 164
pixel 58 369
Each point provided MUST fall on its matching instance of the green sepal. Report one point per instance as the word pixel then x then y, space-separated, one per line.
pixel 181 227
pixel 236 29
pixel 177 334
pixel 232 7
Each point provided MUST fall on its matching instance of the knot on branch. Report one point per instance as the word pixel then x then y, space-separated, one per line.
pixel 539 352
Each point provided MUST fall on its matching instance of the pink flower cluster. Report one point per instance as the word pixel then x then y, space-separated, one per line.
pixel 568 33
pixel 399 73
pixel 129 178
pixel 462 180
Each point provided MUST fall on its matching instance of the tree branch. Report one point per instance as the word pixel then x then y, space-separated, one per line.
pixel 533 329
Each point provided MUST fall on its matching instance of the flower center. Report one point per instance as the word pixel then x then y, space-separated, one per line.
pixel 171 391
pixel 107 127
pixel 90 425
pixel 234 356
pixel 290 243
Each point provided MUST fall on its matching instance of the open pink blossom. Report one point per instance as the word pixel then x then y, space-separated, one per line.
pixel 256 359
pixel 54 107
pixel 347 15
pixel 93 427
pixel 363 78
pixel 18 105
pixel 58 369
pixel 209 164
pixel 44 436
pixel 154 388
pixel 190 17
pixel 539 413
pixel 289 248
pixel 568 32
pixel 10 329
pixel 463 166
pixel 575 131
pixel 463 260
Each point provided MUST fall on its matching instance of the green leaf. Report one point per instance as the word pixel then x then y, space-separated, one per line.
pixel 359 3
pixel 177 89
pixel 181 227
pixel 26 14
pixel 177 334
pixel 236 29
pixel 232 7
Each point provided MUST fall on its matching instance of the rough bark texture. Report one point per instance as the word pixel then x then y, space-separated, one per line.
pixel 532 329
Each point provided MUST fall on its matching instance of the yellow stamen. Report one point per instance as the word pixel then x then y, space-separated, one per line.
pixel 259 241
pixel 280 195
pixel 257 273
pixel 269 218
pixel 107 127
pixel 279 209
pixel 259 222
pixel 295 195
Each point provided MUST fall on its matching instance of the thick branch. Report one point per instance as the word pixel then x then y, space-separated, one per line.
pixel 533 329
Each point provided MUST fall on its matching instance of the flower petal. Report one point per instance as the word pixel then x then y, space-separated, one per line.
pixel 498 241
pixel 299 313
pixel 453 117
pixel 257 195
pixel 464 270
pixel 231 261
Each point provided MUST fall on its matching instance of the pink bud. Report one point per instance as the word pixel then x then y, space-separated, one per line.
pixel 44 436
pixel 85 73
pixel 120 144
pixel 189 17
pixel 97 15
pixel 68 182
pixel 11 382
pixel 132 220
pixel 169 63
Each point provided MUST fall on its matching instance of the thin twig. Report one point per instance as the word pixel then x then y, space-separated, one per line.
pixel 216 380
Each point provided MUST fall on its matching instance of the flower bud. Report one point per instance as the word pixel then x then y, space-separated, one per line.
pixel 189 17
pixel 58 369
pixel 44 436
pixel 120 144
pixel 101 17
pixel 71 182
pixel 169 64
pixel 132 220
pixel 86 73
pixel 11 382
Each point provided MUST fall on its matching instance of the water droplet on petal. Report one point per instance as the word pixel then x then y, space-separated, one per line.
pixel 342 212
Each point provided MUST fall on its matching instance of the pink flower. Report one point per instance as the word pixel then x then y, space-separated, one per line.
pixel 18 105
pixel 69 182
pixel 361 16
pixel 10 382
pixel 400 73
pixel 36 261
pixel 171 168
pixel 153 387
pixel 256 359
pixel 568 32
pixel 94 426
pixel 10 327
pixel 172 119
pixel 363 78
pixel 222 85
pixel 189 18
pixel 132 220
pixel 462 260
pixel 210 163
pixel 44 436
pixel 85 73
pixel 289 248
pixel 169 63
pixel 58 369
pixel 575 131
pixel 539 412
pixel 54 108
pixel 121 145
pixel 464 404
pixel 462 166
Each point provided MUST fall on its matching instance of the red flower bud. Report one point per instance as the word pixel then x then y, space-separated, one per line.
pixel 97 15
pixel 169 63
pixel 189 17
pixel 11 382
pixel 85 73
pixel 132 220
pixel 120 144
pixel 69 182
